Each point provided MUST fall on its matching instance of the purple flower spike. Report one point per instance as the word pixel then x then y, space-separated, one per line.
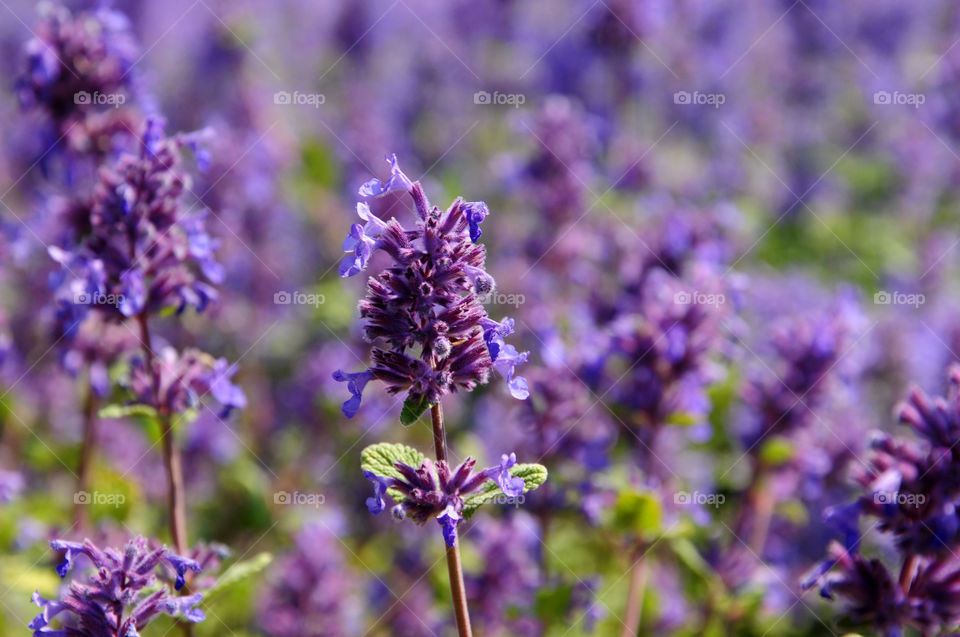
pixel 511 487
pixel 476 212
pixel 423 312
pixel 397 181
pixel 376 504
pixel 355 384
pixel 123 593
pixel 184 606
pixel 182 565
pixel 448 520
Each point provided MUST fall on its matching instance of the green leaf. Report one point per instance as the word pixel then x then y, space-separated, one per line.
pixel 638 512
pixel 684 419
pixel 379 458
pixel 413 408
pixel 127 411
pixel 776 451
pixel 238 572
pixel 533 476
pixel 690 557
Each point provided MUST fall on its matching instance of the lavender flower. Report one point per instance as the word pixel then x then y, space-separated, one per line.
pixel 116 602
pixel 432 336
pixel 183 379
pixel 139 250
pixel 434 491
pixel 78 72
pixel 913 492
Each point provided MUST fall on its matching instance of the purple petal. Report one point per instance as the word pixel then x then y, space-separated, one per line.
pixel 376 504
pixel 355 384
pixel 448 521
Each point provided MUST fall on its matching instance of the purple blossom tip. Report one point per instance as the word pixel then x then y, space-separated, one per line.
pixel 184 606
pixel 511 487
pixel 355 384
pixel 48 610
pixel 448 521
pixel 397 181
pixel 506 363
pixel 182 565
pixel 476 212
pixel 71 549
pixel 376 504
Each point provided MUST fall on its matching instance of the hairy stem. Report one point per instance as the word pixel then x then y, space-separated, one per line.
pixel 171 452
pixel 454 566
pixel 638 586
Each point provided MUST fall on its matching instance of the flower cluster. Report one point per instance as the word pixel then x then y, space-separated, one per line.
pixel 913 491
pixel 432 335
pixel 435 491
pixel 178 381
pixel 79 71
pixel 139 250
pixel 118 600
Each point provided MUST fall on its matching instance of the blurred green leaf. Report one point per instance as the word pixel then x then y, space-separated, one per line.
pixel 127 411
pixel 639 513
pixel 776 451
pixel 238 572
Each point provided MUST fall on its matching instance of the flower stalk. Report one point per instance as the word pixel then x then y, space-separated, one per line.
pixel 454 564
